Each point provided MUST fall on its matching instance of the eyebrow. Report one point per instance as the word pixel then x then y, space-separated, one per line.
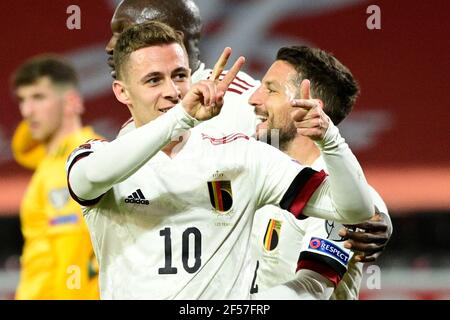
pixel 157 73
pixel 274 83
pixel 149 75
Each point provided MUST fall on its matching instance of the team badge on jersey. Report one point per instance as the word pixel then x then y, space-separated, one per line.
pixel 220 195
pixel 272 235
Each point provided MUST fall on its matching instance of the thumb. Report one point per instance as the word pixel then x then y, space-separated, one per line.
pixel 305 89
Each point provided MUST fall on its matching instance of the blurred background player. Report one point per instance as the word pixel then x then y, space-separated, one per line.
pixel 276 238
pixel 57 260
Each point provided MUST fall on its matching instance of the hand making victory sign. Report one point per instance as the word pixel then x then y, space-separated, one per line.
pixel 205 99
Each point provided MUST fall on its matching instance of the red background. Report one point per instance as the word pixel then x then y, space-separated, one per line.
pixel 402 69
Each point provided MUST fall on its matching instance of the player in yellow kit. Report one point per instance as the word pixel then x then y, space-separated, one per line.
pixel 57 260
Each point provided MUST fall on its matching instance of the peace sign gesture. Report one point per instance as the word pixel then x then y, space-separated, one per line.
pixel 205 98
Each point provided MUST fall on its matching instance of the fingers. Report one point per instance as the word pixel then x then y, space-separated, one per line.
pixel 207 92
pixel 369 248
pixel 372 226
pixel 308 109
pixel 305 89
pixel 365 237
pixel 369 258
pixel 231 74
pixel 306 104
pixel 220 64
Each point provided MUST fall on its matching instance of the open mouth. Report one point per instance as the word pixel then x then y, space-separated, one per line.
pixel 261 124
pixel 110 62
pixel 164 110
pixel 261 119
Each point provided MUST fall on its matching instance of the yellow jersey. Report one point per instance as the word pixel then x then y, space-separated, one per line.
pixel 57 260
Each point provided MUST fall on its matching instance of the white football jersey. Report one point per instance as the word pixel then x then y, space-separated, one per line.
pixel 179 228
pixel 280 242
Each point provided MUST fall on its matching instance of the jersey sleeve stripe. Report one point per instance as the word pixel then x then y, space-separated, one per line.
pixel 234 90
pixel 301 190
pixel 323 265
pixel 238 85
pixel 239 79
pixel 82 202
pixel 243 81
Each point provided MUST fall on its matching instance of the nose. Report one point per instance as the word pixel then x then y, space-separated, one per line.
pixel 111 44
pixel 256 98
pixel 171 91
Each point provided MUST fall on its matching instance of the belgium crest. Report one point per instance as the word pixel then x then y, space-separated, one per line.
pixel 220 195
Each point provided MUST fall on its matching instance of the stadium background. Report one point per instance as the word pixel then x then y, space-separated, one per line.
pixel 399 128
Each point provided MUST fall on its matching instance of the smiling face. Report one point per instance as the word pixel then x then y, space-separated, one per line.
pixel 272 103
pixel 154 79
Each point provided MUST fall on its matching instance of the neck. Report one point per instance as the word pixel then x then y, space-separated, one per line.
pixel 66 129
pixel 303 150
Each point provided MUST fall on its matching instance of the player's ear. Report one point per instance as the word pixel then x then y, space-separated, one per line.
pixel 180 33
pixel 121 92
pixel 73 102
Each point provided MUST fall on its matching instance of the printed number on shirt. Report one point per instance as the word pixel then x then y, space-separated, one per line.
pixel 168 266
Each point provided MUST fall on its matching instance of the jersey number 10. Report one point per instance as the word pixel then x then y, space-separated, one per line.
pixel 168 268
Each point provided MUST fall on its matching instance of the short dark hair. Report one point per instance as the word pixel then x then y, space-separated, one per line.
pixel 142 36
pixel 331 81
pixel 57 68
pixel 182 15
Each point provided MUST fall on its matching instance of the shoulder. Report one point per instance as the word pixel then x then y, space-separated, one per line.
pixel 79 138
pixel 84 150
pixel 126 127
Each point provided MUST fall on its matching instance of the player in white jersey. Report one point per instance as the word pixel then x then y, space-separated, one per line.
pixel 184 16
pixel 276 237
pixel 173 219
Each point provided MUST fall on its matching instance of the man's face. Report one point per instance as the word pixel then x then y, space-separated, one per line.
pixel 155 79
pixel 42 104
pixel 272 103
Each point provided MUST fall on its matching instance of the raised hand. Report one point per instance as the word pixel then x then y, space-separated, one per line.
pixel 205 99
pixel 310 120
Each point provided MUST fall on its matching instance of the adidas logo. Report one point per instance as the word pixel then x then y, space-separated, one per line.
pixel 137 197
